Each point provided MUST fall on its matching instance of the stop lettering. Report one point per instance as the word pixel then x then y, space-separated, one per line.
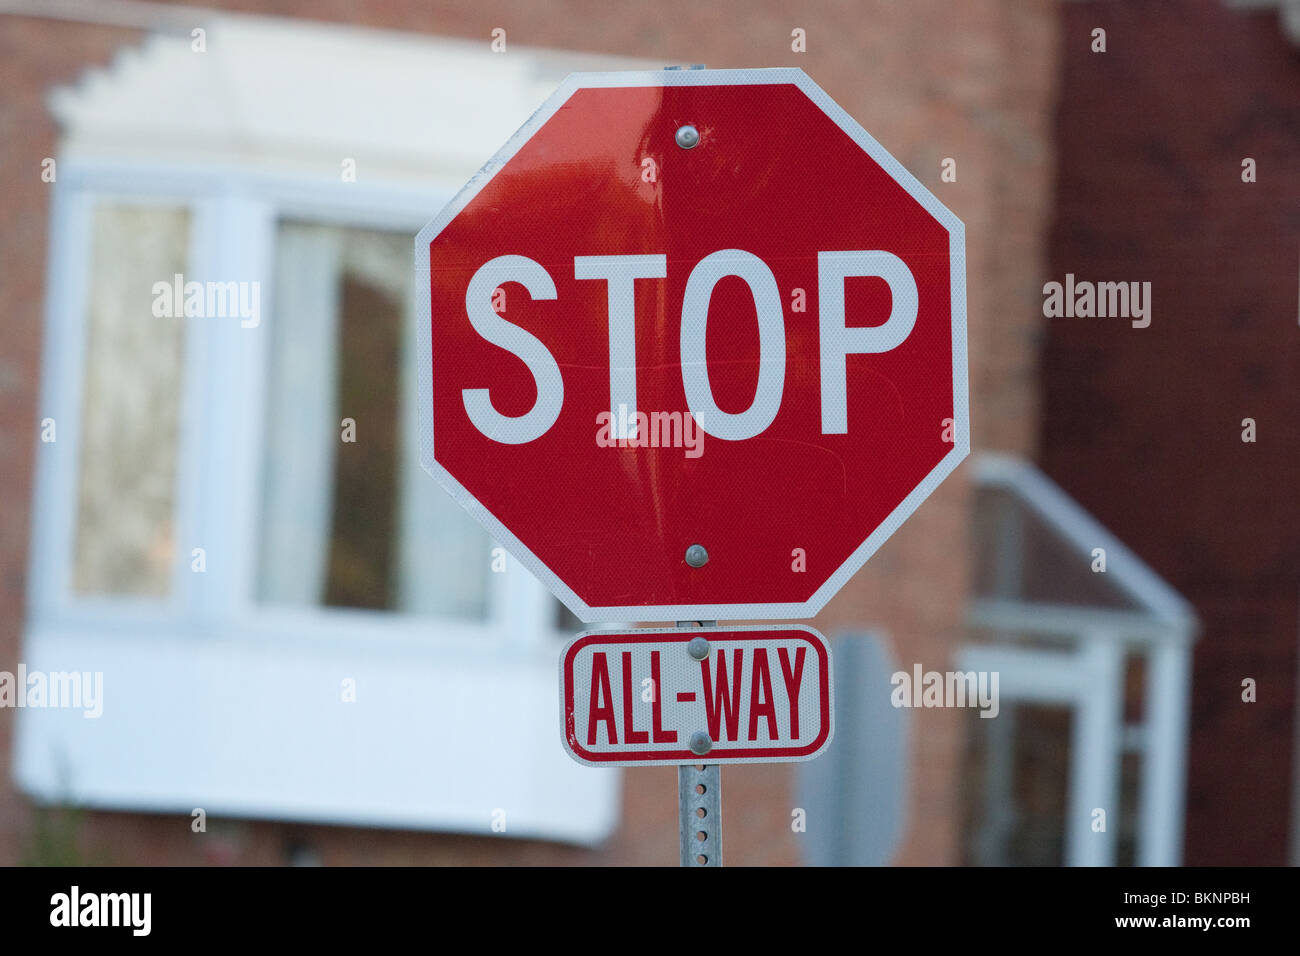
pixel 837 340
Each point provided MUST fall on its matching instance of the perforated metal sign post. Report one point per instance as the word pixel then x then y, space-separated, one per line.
pixel 695 348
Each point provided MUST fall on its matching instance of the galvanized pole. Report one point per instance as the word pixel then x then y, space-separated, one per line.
pixel 699 804
pixel 699 787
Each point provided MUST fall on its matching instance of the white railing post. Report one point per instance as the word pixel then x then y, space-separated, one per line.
pixel 1095 743
pixel 1160 833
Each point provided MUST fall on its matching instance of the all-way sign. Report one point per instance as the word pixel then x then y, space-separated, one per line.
pixel 696 695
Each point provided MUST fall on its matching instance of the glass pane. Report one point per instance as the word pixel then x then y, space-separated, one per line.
pixel 349 518
pixel 125 536
pixel 1018 556
pixel 1018 768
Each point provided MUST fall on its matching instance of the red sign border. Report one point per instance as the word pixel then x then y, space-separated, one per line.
pixel 728 755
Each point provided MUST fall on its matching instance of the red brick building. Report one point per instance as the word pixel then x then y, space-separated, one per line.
pixel 1145 426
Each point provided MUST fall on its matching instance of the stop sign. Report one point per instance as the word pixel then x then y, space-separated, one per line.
pixel 694 345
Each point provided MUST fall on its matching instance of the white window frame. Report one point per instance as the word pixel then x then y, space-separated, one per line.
pixel 1086 675
pixel 215 700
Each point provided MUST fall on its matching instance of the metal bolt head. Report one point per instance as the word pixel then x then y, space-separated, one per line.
pixel 698 648
pixel 701 743
pixel 696 556
pixel 688 137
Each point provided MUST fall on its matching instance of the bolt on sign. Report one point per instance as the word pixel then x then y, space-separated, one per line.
pixel 694 345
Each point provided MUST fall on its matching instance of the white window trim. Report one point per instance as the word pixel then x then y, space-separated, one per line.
pixel 212 700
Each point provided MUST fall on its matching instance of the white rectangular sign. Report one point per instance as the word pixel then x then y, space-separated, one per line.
pixel 709 695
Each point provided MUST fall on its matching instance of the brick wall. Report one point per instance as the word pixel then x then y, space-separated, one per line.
pixel 930 79
pixel 1143 426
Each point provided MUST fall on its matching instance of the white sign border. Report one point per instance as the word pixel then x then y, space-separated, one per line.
pixel 696 612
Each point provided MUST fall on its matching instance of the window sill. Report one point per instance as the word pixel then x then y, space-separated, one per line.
pixel 242 725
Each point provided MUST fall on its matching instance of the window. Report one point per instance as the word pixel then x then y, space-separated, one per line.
pixel 130 414
pixel 232 525
pixel 1014 811
pixel 348 516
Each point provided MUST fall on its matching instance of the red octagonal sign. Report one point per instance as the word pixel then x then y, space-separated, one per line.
pixel 698 345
